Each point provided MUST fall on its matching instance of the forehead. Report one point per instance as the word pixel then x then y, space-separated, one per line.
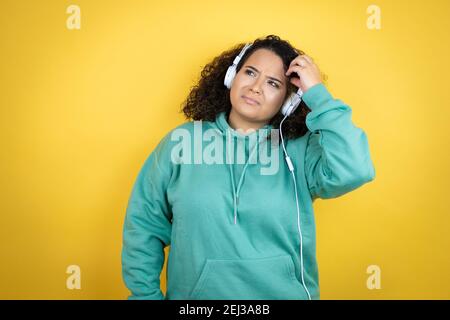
pixel 267 61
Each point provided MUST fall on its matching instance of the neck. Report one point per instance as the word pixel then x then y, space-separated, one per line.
pixel 246 127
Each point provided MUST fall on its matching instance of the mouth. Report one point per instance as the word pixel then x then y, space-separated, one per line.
pixel 250 101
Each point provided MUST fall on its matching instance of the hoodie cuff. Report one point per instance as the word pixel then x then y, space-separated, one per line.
pixel 316 96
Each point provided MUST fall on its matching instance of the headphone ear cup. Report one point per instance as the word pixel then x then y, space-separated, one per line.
pixel 291 103
pixel 285 107
pixel 229 77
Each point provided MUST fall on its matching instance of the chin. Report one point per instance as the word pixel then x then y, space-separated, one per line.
pixel 249 112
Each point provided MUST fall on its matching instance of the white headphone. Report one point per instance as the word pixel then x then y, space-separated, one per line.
pixel 289 106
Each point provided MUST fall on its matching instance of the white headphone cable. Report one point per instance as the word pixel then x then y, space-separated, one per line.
pixel 291 169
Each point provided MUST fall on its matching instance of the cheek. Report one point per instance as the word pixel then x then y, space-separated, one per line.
pixel 237 84
pixel 235 93
pixel 275 97
pixel 237 88
pixel 240 82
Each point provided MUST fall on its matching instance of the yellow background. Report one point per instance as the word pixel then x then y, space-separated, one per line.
pixel 82 109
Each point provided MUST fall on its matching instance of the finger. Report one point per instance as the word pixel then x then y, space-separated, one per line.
pixel 297 61
pixel 296 82
pixel 293 61
pixel 305 60
pixel 296 69
pixel 309 59
pixel 300 65
pixel 300 60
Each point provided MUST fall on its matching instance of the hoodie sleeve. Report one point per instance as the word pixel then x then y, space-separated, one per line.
pixel 337 158
pixel 147 228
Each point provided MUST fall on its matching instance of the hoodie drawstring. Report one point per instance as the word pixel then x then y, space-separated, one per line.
pixel 241 179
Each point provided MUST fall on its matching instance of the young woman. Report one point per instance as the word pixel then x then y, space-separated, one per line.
pixel 239 228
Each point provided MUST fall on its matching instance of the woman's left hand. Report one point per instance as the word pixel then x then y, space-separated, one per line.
pixel 307 70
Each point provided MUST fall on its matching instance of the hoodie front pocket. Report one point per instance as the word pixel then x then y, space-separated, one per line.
pixel 247 279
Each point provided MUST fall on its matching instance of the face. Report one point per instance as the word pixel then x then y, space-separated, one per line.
pixel 261 78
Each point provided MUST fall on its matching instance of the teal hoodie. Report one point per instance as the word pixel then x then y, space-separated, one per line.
pixel 232 230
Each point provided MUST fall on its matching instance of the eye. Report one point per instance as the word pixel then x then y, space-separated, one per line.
pixel 275 84
pixel 248 70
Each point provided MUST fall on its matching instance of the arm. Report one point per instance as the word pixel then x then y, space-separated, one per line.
pixel 337 156
pixel 147 229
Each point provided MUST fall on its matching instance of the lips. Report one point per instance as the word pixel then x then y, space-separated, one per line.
pixel 250 101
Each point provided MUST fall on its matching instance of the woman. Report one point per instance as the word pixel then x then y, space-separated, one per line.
pixel 240 228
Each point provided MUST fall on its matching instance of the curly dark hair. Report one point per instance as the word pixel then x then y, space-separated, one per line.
pixel 210 96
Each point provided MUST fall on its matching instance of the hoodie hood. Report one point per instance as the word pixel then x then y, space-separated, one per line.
pixel 231 135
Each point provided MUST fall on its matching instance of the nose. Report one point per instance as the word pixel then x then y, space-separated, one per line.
pixel 256 87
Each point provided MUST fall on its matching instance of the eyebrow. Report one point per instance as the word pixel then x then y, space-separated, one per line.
pixel 252 67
